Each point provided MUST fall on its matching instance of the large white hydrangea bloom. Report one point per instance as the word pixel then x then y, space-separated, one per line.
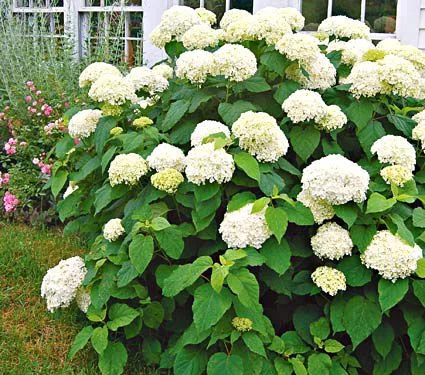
pixel 321 209
pixel 60 283
pixel 242 228
pixel 299 47
pixel 333 119
pixel 304 105
pixel 393 149
pixel 201 36
pixel 127 169
pixel 342 27
pixel 113 230
pixel 206 164
pixel 390 256
pixel 260 135
pixel 240 30
pixel 93 71
pixel 233 15
pixel 329 280
pixel 112 89
pixel 270 26
pixel 84 123
pixel 331 242
pixel 166 156
pixel 164 70
pixel 336 180
pixel 352 51
pixel 418 132
pixel 147 80
pixel 365 79
pixel 206 128
pixel 195 66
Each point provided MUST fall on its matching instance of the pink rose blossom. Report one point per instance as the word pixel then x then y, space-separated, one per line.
pixel 34 103
pixel 38 92
pixel 30 83
pixel 33 88
pixel 10 202
pixel 6 178
pixel 46 169
pixel 12 141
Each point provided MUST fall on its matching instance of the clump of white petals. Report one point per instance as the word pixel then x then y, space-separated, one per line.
pixel 331 242
pixel 233 15
pixel 235 62
pixel 299 47
pixel 396 174
pixel 147 80
pixel 84 123
pixel 418 132
pixel 365 79
pixel 333 119
pixel 201 36
pixel 127 169
pixel 336 180
pixel 93 71
pixel 242 228
pixel 293 17
pixel 304 105
pixel 352 51
pixel 206 164
pixel 240 30
pixel 270 26
pixel 329 280
pixel 260 135
pixel 164 70
pixel 166 156
pixel 206 128
pixel 393 149
pixel 60 283
pixel 321 209
pixel 390 256
pixel 113 230
pixel 342 27
pixel 195 66
pixel 112 89
pixel 206 16
pixel 72 187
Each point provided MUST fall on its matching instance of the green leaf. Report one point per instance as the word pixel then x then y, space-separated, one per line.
pixel 360 112
pixel 277 221
pixel 275 62
pixel 361 317
pixel 141 252
pixel 419 290
pixel 244 284
pixel 87 169
pixel 260 204
pixel 254 343
pixel 356 274
pixel 419 217
pixel 107 156
pixel 223 364
pixel 255 84
pixel 304 141
pixel 333 346
pixel 190 361
pixel 248 164
pixel 171 241
pixel 99 339
pixel 174 49
pixel 319 363
pixel 320 328
pixel 378 203
pixel 278 256
pixel 390 363
pixel 369 134
pixel 390 294
pixel 299 214
pixel 184 276
pixel 121 315
pixel 106 194
pixel 101 134
pixel 218 276
pixel 337 312
pixel 126 274
pixel 206 192
pixel 362 235
pixel 58 181
pixel 209 306
pixel 153 315
pixel 239 200
pixel 282 366
pixel 402 123
pixel 151 349
pixel 347 212
pixel 63 146
pixel 420 270
pixel 231 112
pixel 80 341
pixel 383 339
pixel 294 344
pixel 175 113
pixel 298 366
pixel 113 359
pixel 160 223
pixel 402 229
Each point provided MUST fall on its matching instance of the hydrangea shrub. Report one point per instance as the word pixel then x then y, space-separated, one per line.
pixel 254 205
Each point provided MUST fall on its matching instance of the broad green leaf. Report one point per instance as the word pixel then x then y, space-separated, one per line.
pixel 333 346
pixel 402 123
pixel 362 235
pixel 347 212
pixel 276 62
pixel 299 214
pixel 319 363
pixel 390 294
pixel 285 89
pixel 419 217
pixel 239 200
pixel 101 134
pixel 185 275
pixel 304 315
pixel 80 341
pixel 141 252
pixel 253 84
pixel 88 168
pixel 383 339
pixel 282 366
pixel 360 112
pixel 390 363
pixel 294 344
pixel 223 364
pixel 99 339
pixel 151 349
pixel 113 359
pixel 278 256
pixel 218 276
pixel 58 181
pixel 174 49
pixel 298 366
pixel 206 192
pixel 153 315
pixel 260 204
pixel 369 134
pixel 106 194
pixel 126 274
pixel 175 113
pixel 419 290
pixel 171 241
pixel 248 164
pixel 361 317
pixel 254 343
pixel 244 284
pixel 63 146
pixel 356 274
pixel 277 221
pixel 304 141
pixel 106 158
pixel 190 361
pixel 402 229
pixel 378 203
pixel 337 312
pixel 121 315
pixel 271 181
pixel 160 223
pixel 420 270
pixel 231 112
pixel 209 306
pixel 320 328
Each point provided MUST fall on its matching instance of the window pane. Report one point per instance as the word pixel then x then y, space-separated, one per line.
pixel 314 11
pixel 349 8
pixel 381 15
pixel 191 3
pixel 242 4
pixel 216 6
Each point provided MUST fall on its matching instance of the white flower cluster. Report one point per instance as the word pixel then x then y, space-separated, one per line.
pixel 206 15
pixel 112 89
pixel 147 80
pixel 93 71
pixel 72 187
pixel 390 256
pixel 166 156
pixel 127 169
pixel 201 36
pixel 84 123
pixel 306 105
pixel 242 228
pixel 329 280
pixel 299 47
pixel 321 209
pixel 61 283
pixel 113 230
pixel 352 51
pixel 331 242
pixel 206 128
pixel 396 174
pixel 365 79
pixel 164 70
pixel 394 150
pixel 336 180
pixel 240 29
pixel 270 24
pixel 342 27
pixel 167 180
pixel 418 132
pixel 260 135
pixel 233 15
pixel 195 66
pixel 83 299
pixel 206 164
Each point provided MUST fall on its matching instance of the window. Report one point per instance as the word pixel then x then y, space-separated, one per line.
pixel 220 6
pixel 379 15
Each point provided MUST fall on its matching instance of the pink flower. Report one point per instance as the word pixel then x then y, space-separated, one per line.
pixel 6 178
pixel 34 103
pixel 33 88
pixel 66 105
pixel 41 100
pixel 38 92
pixel 12 141
pixel 77 141
pixel 36 161
pixel 28 99
pixel 33 110
pixel 30 83
pixel 46 169
pixel 10 202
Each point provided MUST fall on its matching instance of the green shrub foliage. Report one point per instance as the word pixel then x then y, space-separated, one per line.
pixel 273 290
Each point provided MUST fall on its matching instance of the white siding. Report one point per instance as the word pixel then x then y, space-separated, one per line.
pixel 421 39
